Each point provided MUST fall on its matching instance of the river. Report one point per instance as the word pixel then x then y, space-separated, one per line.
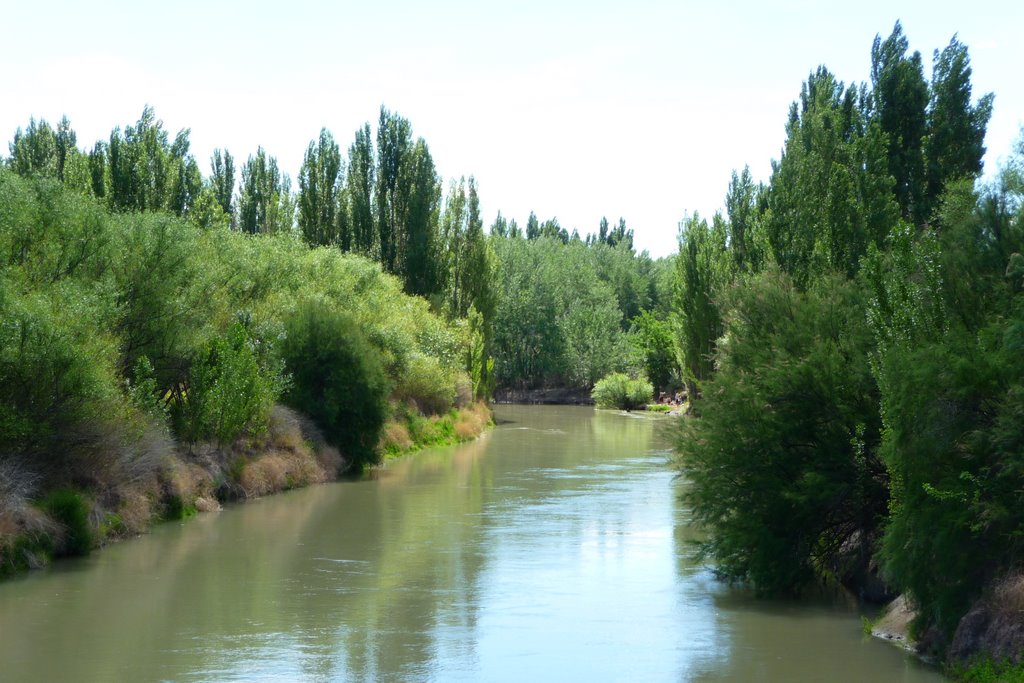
pixel 554 548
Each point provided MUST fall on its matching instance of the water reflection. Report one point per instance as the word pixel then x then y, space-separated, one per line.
pixel 554 548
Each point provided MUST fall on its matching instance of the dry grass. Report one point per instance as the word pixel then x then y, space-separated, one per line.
pixel 279 470
pixel 284 429
pixel 136 510
pixel 395 437
pixel 472 421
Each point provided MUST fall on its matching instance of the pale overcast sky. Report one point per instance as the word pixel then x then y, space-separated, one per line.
pixel 574 110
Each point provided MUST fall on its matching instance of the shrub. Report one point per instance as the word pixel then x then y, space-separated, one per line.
pixel 230 392
pixel 395 438
pixel 426 385
pixel 71 510
pixel 782 451
pixel 619 391
pixel 337 380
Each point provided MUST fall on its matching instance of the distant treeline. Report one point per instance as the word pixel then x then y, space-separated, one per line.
pixel 574 298
pixel 853 330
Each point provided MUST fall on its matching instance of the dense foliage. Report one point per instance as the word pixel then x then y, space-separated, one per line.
pixel 621 391
pixel 854 327
pixel 567 308
pixel 783 453
pixel 337 379
pixel 130 336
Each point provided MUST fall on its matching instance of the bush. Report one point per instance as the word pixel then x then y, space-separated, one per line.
pixel 230 391
pixel 71 510
pixel 782 451
pixel 337 380
pixel 426 385
pixel 619 391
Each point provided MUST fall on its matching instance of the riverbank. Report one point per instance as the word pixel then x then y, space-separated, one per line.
pixel 565 396
pixel 988 645
pixel 291 453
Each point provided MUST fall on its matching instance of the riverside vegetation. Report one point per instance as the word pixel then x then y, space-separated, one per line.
pixel 847 336
pixel 854 329
pixel 167 345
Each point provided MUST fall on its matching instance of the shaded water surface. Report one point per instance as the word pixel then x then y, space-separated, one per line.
pixel 552 549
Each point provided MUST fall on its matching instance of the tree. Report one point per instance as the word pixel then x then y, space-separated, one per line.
pixel 499 228
pixel 361 188
pixel 98 172
pixel 264 202
pixel 320 185
pixel 34 150
pixel 956 129
pixel 900 95
pixel 741 208
pixel 338 380
pixel 656 346
pixel 422 265
pixel 66 147
pixel 782 460
pixel 222 178
pixel 700 278
pixel 453 233
pixel 394 148
pixel 831 194
pixel 532 227
pixel 620 235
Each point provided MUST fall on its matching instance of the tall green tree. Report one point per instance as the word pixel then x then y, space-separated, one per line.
pixel 900 98
pixel 830 194
pixel 361 188
pixel 454 225
pixel 532 227
pixel 265 204
pixel 149 172
pixel 98 171
pixel 67 147
pixel 394 149
pixel 422 262
pixel 499 228
pixel 955 145
pixel 701 275
pixel 222 178
pixel 320 184
pixel 742 210
pixel 34 150
pixel 476 286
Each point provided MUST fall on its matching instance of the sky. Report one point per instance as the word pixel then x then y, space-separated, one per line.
pixel 573 110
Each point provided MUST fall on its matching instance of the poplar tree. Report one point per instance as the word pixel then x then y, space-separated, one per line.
pixel 741 208
pixel 34 150
pixel 394 147
pixel 360 185
pixel 830 195
pixel 956 129
pixel 66 147
pixel 422 262
pixel 147 172
pixel 265 204
pixel 319 191
pixel 900 95
pixel 700 276
pixel 222 177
